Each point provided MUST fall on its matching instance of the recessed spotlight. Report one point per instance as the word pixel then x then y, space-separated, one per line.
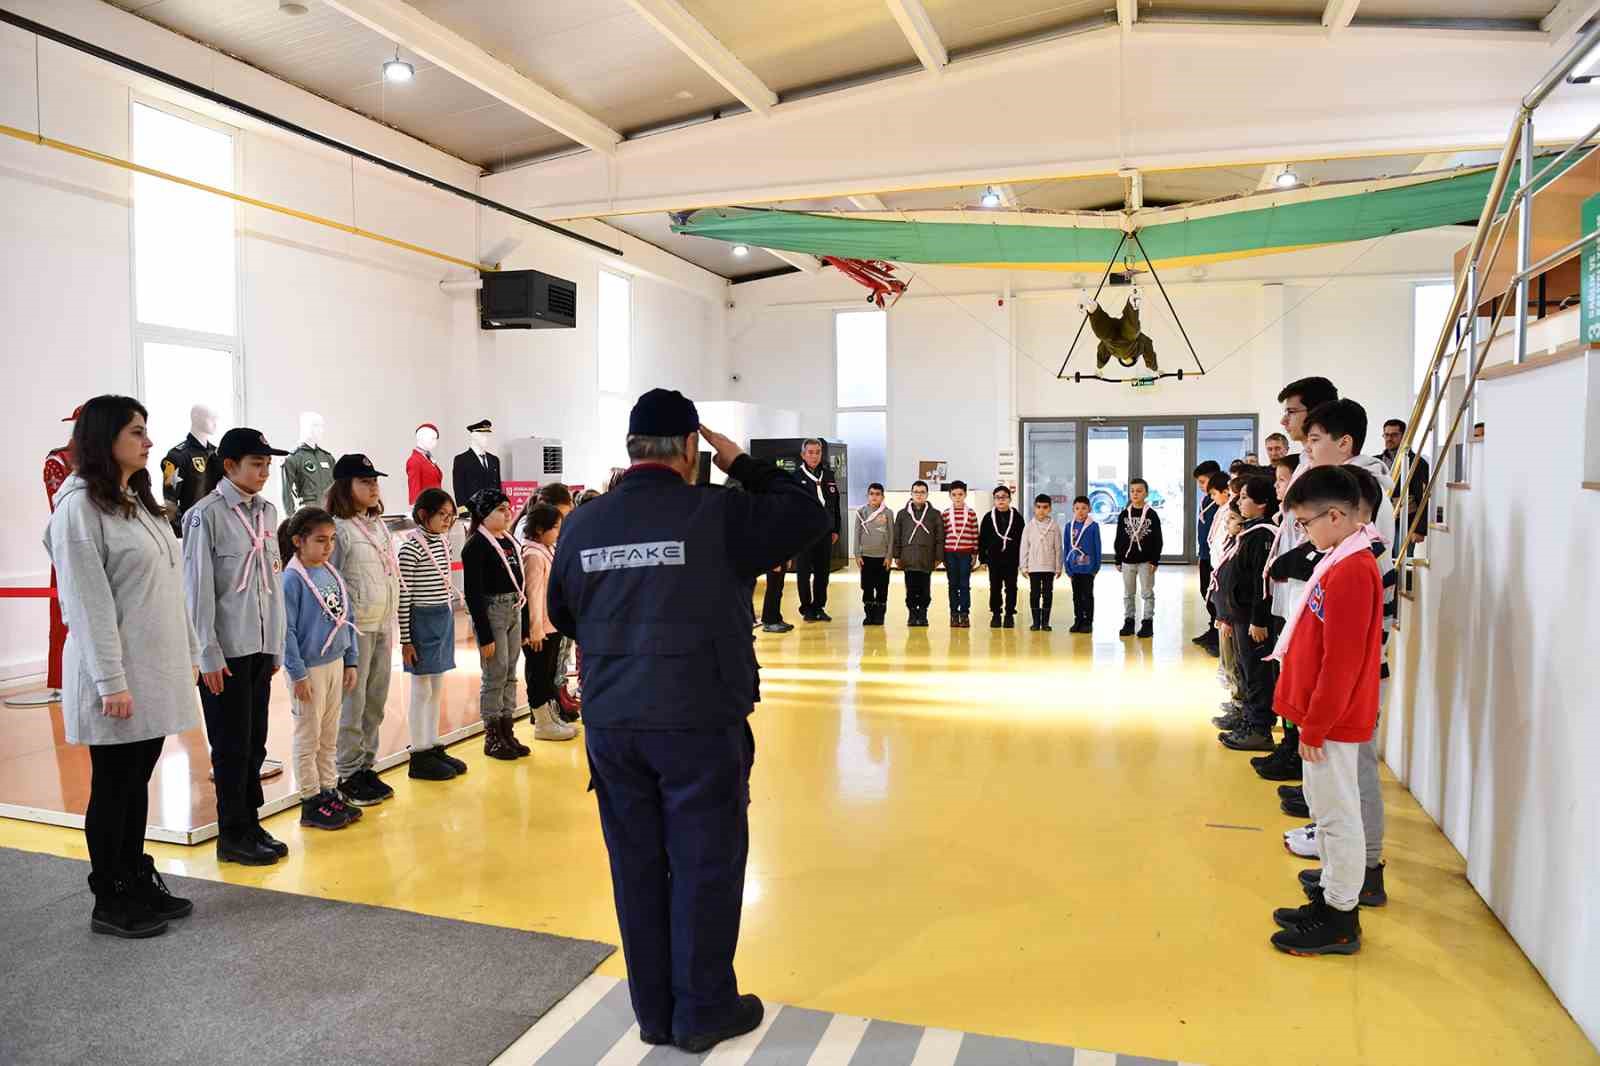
pixel 398 70
pixel 990 198
pixel 741 250
pixel 1287 179
pixel 292 7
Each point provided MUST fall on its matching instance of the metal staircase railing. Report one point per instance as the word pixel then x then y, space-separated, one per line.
pixel 1493 225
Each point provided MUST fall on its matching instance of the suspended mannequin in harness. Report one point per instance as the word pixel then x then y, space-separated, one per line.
pixel 1121 338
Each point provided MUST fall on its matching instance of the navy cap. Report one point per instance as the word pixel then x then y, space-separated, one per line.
pixel 663 413
pixel 242 441
pixel 355 466
pixel 481 426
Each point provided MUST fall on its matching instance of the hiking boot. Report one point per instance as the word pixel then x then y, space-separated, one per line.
pixel 1147 628
pixel 426 766
pixel 1372 890
pixel 747 1015
pixel 245 850
pixel 278 847
pixel 317 813
pixel 1322 931
pixel 1127 628
pixel 546 726
pixel 118 911
pixel 1295 917
pixel 358 791
pixel 777 627
pixel 145 884
pixel 1295 808
pixel 449 760
pixel 1248 738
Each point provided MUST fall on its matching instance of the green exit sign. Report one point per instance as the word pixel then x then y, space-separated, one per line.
pixel 1591 274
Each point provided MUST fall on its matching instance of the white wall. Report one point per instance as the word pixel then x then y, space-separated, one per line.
pixel 1492 725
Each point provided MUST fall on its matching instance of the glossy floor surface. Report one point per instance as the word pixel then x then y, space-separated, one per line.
pixel 1023 834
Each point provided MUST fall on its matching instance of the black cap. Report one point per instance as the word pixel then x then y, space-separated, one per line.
pixel 242 441
pixel 483 425
pixel 663 413
pixel 355 466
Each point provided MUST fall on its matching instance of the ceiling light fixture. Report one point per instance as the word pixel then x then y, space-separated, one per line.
pixel 397 70
pixel 1288 179
pixel 292 7
pixel 990 198
pixel 741 250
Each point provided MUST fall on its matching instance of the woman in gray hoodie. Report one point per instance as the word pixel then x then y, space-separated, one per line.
pixel 131 659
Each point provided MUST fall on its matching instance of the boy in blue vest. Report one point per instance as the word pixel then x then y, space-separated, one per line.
pixel 1080 551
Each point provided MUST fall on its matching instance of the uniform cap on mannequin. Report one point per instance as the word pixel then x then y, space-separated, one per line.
pixel 427 437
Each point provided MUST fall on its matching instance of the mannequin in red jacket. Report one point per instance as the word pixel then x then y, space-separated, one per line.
pixel 57 465
pixel 421 471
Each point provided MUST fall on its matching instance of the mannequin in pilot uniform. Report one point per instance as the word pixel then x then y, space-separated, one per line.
pixel 476 468
pixel 308 470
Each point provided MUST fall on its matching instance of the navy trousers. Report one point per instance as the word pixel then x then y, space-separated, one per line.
pixel 811 569
pixel 674 809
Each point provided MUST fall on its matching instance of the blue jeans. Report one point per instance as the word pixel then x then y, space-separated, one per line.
pixel 959 569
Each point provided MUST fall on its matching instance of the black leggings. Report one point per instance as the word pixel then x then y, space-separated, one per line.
pixel 539 670
pixel 119 804
pixel 1041 591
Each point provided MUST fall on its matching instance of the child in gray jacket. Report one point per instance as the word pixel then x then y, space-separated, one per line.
pixel 875 548
pixel 919 548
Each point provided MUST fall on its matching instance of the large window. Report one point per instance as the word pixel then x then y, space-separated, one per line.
pixel 185 273
pixel 861 369
pixel 1430 305
pixel 614 344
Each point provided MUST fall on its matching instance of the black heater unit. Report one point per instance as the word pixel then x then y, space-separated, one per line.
pixel 527 299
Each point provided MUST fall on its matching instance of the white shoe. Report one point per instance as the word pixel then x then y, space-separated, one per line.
pixel 547 726
pixel 1303 842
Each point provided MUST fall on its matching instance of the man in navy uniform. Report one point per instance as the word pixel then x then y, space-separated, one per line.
pixel 653 580
pixel 813 564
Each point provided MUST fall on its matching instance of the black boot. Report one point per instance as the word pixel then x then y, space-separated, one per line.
pixel 1011 620
pixel 449 760
pixel 1146 628
pixel 994 620
pixel 245 849
pixel 146 884
pixel 1035 626
pixel 1044 620
pixel 1127 628
pixel 119 912
pixel 1321 930
pixel 425 765
pixel 1372 891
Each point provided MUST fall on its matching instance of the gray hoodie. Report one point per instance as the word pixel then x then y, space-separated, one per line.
pixel 120 582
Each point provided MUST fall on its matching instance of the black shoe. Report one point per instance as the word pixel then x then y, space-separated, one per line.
pixel 120 911
pixel 1289 769
pixel 1203 638
pixel 355 814
pixel 1147 628
pixel 278 847
pixel 819 615
pixel 654 1038
pixel 426 766
pixel 1010 622
pixel 146 885
pixel 1044 620
pixel 1036 626
pixel 1214 651
pixel 1230 721
pixel 1295 917
pixel 317 813
pixel 994 621
pixel 383 791
pixel 1127 628
pixel 777 627
pixel 920 619
pixel 1372 890
pixel 454 763
pixel 245 850
pixel 1294 792
pixel 809 616
pixel 1295 808
pixel 1324 931
pixel 1248 738
pixel 747 1015
pixel 358 792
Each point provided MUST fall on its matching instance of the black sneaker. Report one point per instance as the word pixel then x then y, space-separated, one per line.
pixel 1247 738
pixel 383 791
pixel 358 791
pixel 1229 722
pixel 1324 931
pixel 426 766
pixel 819 615
pixel 1372 890
pixel 317 813
pixel 1010 622
pixel 245 850
pixel 354 813
pixel 747 1015
pixel 808 615
pixel 1295 917
pixel 1147 628
pixel 1295 808
pixel 1294 792
pixel 1127 628
pixel 1289 769
pixel 450 760
pixel 279 848
pixel 777 627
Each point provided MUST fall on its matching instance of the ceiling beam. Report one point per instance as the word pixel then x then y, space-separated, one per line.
pixel 920 33
pixel 799 260
pixel 673 21
pixel 1127 13
pixel 1338 14
pixel 412 30
pixel 1567 19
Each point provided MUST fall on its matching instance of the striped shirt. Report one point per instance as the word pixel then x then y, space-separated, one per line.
pixel 960 531
pixel 425 581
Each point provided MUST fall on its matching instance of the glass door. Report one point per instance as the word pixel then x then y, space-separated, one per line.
pixel 1109 456
pixel 1163 463
pixel 1050 466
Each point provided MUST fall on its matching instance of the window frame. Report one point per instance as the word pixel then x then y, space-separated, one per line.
pixel 888 386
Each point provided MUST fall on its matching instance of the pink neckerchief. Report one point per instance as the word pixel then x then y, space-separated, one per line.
pixel 958 520
pixel 1005 538
pixel 910 510
pixel 1231 548
pixel 256 559
pixel 391 566
pixel 1075 532
pixel 511 571
pixel 863 521
pixel 1137 530
pixel 339 619
pixel 420 539
pixel 1359 541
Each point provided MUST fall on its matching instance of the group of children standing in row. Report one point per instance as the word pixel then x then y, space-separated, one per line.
pixel 1302 588
pixel 919 539
pixel 324 600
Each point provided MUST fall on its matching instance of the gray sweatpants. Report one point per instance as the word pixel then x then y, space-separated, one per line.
pixel 1333 793
pixel 361 715
pixel 497 698
pixel 1138 577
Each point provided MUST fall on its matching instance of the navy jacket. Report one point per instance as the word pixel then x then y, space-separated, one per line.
pixel 653 581
pixel 1208 515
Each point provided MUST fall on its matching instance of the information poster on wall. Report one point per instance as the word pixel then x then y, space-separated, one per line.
pixel 1589 284
pixel 519 493
pixel 933 471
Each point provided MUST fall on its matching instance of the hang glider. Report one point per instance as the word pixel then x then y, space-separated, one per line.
pixel 1236 227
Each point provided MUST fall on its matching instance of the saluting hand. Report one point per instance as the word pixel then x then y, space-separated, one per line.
pixel 723 450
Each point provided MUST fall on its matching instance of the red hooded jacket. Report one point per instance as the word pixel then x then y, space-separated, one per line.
pixel 1329 685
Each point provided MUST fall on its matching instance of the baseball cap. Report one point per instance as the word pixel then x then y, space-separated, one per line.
pixel 243 441
pixel 355 466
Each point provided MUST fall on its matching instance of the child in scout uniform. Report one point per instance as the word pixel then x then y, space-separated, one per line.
pixel 875 544
pixel 1000 549
pixel 919 549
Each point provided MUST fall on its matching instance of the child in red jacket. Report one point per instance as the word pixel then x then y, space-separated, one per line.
pixel 1331 650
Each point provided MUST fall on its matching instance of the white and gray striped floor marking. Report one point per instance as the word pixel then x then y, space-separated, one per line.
pixel 594 1026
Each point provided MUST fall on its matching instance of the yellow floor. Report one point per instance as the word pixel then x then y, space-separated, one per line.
pixel 1000 832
